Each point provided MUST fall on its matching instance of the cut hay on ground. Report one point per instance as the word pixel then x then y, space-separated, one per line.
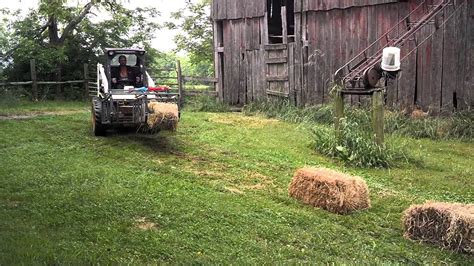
pixel 448 225
pixel 163 116
pixel 330 190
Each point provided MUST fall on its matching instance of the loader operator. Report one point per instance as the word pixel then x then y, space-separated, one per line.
pixel 124 74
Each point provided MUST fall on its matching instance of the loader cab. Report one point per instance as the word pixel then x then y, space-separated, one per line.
pixel 135 64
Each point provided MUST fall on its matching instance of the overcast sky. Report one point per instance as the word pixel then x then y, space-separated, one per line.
pixel 164 6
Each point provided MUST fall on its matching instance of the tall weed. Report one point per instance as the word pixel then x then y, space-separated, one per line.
pixel 356 146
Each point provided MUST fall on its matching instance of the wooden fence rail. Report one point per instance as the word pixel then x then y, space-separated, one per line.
pixel 88 83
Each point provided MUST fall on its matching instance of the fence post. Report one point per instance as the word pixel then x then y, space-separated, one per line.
pixel 180 83
pixel 339 114
pixel 34 80
pixel 377 116
pixel 86 80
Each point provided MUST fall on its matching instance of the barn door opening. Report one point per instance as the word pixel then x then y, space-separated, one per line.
pixel 281 21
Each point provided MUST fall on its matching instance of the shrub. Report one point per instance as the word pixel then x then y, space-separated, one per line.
pixel 357 147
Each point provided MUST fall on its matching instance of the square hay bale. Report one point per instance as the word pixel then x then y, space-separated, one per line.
pixel 330 190
pixel 448 225
pixel 163 116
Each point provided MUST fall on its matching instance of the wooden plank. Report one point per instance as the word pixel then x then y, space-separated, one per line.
pixel 180 84
pixel 305 59
pixel 291 73
pixel 326 5
pixel 284 25
pixel 276 60
pixel 436 68
pixel 250 76
pixel 392 88
pixel 469 74
pixel 264 29
pixel 277 93
pixel 262 86
pixel 273 47
pixel 298 57
pixel 377 116
pixel 407 78
pixel 229 65
pixel 34 81
pixel 277 78
pixel 460 35
pixel 449 57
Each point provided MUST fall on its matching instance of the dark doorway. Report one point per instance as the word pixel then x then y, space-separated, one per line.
pixel 275 21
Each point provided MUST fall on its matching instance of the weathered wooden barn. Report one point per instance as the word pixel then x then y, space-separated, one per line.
pixel 292 48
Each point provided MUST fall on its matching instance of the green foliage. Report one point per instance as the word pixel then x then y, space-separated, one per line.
pixel 283 109
pixel 196 37
pixel 221 180
pixel 205 103
pixel 357 147
pixel 459 125
pixel 61 38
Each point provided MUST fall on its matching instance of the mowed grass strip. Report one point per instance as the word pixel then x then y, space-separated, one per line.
pixel 214 191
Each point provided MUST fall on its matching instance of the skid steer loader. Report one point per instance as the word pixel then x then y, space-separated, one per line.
pixel 124 91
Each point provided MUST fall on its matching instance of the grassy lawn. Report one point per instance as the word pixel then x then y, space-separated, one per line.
pixel 214 191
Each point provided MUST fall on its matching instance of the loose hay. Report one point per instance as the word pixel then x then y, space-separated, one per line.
pixel 163 116
pixel 330 190
pixel 448 225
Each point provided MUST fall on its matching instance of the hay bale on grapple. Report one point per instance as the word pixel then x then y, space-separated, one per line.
pixel 448 225
pixel 330 190
pixel 163 116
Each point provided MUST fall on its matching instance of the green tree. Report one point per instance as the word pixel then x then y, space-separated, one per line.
pixel 196 38
pixel 62 37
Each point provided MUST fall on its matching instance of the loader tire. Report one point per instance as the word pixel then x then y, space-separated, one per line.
pixel 97 128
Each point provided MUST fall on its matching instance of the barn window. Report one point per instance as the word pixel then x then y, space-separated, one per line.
pixel 275 20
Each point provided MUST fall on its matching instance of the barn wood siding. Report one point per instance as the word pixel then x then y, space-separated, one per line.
pixel 325 5
pixel 244 63
pixel 237 9
pixel 436 76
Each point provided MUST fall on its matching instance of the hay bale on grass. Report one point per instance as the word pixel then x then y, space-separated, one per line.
pixel 330 190
pixel 163 116
pixel 448 225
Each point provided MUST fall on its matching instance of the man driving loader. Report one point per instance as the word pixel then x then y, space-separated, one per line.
pixel 124 74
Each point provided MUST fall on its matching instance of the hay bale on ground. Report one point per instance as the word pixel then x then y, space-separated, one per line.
pixel 163 116
pixel 330 190
pixel 448 225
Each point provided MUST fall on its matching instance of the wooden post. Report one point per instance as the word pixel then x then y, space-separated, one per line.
pixel 34 80
pixel 86 80
pixel 339 113
pixel 377 116
pixel 180 83
pixel 284 25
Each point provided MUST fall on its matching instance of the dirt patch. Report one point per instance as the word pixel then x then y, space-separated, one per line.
pixel 37 114
pixel 241 120
pixel 144 224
